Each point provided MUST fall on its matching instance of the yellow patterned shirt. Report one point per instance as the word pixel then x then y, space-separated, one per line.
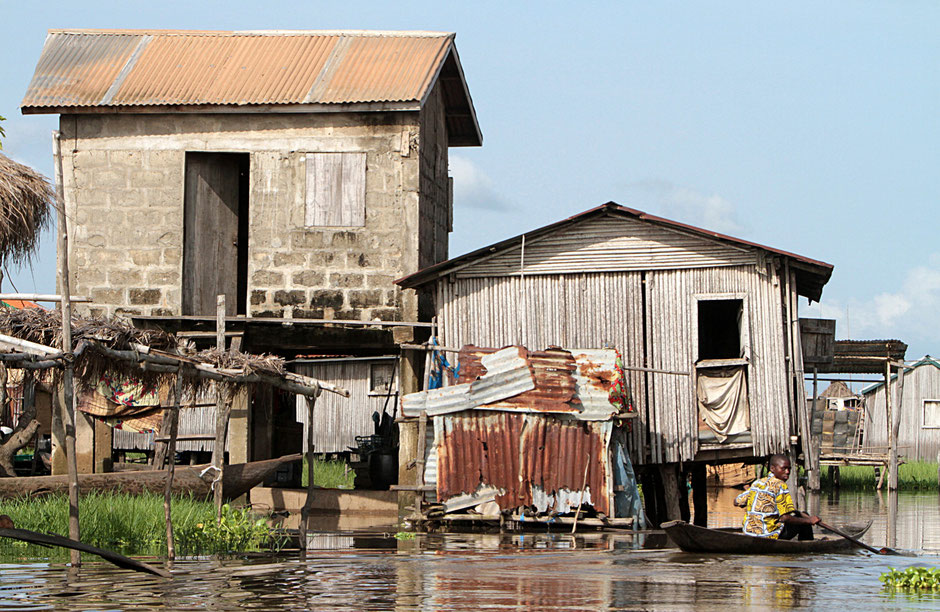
pixel 765 501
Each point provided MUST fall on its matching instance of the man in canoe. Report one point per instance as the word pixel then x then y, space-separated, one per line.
pixel 770 509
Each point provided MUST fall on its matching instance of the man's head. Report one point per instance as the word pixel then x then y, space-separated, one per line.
pixel 780 466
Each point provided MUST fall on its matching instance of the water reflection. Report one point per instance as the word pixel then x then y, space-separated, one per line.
pixel 353 570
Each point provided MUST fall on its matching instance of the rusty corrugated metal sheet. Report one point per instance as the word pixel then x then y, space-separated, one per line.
pixel 576 381
pixel 506 374
pixel 107 68
pixel 532 459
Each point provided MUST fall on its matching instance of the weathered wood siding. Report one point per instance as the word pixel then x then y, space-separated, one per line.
pixel 610 244
pixel 596 309
pixel 915 442
pixel 338 420
pixel 672 313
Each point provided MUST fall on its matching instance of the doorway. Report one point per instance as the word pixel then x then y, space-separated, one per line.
pixel 215 232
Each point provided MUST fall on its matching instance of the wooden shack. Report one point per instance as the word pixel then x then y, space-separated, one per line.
pixel 919 432
pixel 295 173
pixel 699 317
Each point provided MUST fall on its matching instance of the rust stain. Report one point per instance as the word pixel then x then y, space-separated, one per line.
pixel 553 369
pixel 516 453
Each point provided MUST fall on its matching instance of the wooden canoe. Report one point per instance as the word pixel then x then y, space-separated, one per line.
pixel 237 479
pixel 692 538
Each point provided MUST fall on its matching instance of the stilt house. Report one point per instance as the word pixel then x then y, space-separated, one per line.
pixel 707 325
pixel 296 173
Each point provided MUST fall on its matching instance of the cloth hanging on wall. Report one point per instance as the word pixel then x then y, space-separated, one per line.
pixel 722 400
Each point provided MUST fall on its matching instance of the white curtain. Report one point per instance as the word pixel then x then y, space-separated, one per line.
pixel 722 400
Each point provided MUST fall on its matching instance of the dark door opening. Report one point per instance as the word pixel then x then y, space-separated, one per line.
pixel 719 329
pixel 215 232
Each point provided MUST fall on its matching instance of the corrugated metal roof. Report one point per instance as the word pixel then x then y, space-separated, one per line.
pixel 85 70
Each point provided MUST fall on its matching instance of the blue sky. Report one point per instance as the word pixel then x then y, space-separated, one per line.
pixel 810 127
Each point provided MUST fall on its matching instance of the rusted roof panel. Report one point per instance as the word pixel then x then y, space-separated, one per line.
pixel 87 68
pixel 576 382
pixel 507 374
pixel 555 385
pixel 534 460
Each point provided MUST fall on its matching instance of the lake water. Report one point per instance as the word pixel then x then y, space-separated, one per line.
pixel 532 571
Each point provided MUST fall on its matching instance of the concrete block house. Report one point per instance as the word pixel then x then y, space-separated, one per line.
pixel 296 173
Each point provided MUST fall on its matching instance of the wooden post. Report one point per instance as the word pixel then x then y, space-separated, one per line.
pixel 810 445
pixel 671 491
pixel 305 511
pixel 889 430
pixel 419 462
pixel 700 494
pixel 68 375
pixel 894 430
pixel 174 417
pixel 223 409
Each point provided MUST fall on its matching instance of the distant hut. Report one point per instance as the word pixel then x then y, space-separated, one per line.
pixel 919 433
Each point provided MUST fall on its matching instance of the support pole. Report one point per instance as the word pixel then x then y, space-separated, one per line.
pixel 66 346
pixel 700 494
pixel 895 429
pixel 811 445
pixel 308 502
pixel 174 417
pixel 671 490
pixel 419 462
pixel 223 408
pixel 889 430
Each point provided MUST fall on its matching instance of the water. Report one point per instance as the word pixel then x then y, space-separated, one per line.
pixel 544 571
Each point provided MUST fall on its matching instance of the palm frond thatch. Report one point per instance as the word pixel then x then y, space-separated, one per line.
pixel 26 203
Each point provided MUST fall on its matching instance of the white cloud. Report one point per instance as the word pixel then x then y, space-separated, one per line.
pixel 681 203
pixel 910 313
pixel 472 187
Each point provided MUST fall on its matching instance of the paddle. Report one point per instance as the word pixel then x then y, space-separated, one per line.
pixel 878 551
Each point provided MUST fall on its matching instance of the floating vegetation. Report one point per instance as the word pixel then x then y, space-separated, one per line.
pixel 913 579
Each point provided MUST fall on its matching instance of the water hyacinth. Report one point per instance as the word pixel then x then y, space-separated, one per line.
pixel 913 579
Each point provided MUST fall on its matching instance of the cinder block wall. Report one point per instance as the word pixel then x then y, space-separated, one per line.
pixel 124 183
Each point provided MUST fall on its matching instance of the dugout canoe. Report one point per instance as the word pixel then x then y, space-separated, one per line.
pixel 692 538
pixel 237 479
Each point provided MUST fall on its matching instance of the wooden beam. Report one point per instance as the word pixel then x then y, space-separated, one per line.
pixel 42 297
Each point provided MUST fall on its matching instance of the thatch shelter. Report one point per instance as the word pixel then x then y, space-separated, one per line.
pixel 26 200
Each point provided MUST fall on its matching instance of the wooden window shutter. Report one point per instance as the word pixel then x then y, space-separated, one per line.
pixel 336 190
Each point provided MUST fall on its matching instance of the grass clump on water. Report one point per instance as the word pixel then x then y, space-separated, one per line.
pixel 330 474
pixel 134 525
pixel 913 476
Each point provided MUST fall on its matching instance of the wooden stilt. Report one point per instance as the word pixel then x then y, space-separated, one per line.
pixel 223 410
pixel 670 478
pixel 700 494
pixel 173 415
pixel 66 347
pixel 894 428
pixel 305 511
pixel 419 462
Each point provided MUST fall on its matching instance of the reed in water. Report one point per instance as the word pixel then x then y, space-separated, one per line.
pixel 913 476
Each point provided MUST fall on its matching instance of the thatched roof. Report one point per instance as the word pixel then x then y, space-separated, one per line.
pixel 26 202
pixel 93 337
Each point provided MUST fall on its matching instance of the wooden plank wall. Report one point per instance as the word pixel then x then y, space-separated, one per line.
pixel 338 420
pixel 914 441
pixel 590 310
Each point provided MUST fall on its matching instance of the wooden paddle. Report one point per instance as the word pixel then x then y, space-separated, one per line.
pixel 878 551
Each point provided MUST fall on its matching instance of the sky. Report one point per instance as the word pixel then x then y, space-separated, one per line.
pixel 809 127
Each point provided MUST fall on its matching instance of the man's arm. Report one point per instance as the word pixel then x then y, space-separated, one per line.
pixel 798 518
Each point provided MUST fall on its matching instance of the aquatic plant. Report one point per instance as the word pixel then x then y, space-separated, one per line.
pixel 912 579
pixel 134 524
pixel 405 535
pixel 912 476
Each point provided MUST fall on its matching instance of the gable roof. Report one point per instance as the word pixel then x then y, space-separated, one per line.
pixel 273 71
pixel 926 360
pixel 811 275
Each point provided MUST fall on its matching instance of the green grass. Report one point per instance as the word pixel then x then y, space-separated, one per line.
pixel 330 474
pixel 913 476
pixel 134 525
